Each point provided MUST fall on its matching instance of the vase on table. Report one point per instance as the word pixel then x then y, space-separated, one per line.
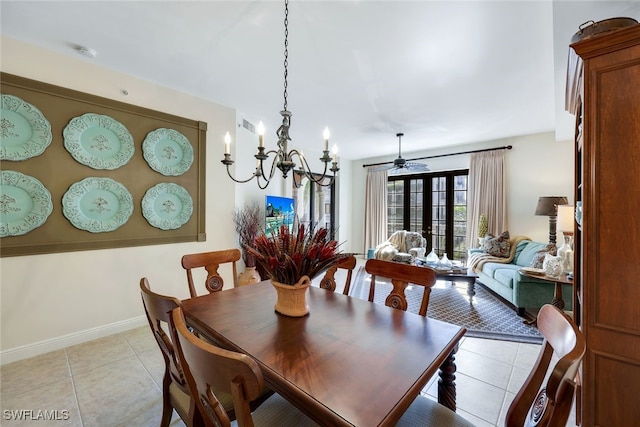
pixel 249 276
pixel 292 299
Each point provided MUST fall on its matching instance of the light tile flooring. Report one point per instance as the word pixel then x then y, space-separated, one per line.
pixel 116 381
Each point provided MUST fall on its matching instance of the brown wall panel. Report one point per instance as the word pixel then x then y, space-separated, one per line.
pixel 57 170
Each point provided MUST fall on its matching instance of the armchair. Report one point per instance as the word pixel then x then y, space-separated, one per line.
pixel 402 246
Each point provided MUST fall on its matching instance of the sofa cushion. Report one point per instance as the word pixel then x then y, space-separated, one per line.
pixel 529 250
pixel 490 268
pixel 498 246
pixel 538 259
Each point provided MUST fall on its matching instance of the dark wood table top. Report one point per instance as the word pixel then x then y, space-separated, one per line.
pixel 348 362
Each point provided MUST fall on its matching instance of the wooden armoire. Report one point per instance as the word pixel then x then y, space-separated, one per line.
pixel 607 236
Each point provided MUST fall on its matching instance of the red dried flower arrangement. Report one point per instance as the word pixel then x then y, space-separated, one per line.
pixel 286 256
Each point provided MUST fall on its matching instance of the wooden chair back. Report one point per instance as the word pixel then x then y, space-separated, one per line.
pixel 158 310
pixel 209 368
pixel 401 275
pixel 329 281
pixel 211 262
pixel 550 404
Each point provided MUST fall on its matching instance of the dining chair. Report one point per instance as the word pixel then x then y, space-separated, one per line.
pixel 211 262
pixel 209 368
pixel 329 282
pixel 401 274
pixel 539 403
pixel 175 391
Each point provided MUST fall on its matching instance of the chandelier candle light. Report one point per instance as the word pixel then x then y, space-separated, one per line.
pixel 283 157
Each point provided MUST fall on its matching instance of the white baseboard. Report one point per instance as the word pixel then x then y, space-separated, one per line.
pixel 42 347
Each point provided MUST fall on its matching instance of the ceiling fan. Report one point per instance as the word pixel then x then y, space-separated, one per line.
pixel 401 165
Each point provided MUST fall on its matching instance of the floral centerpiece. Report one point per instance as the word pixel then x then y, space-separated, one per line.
pixel 291 259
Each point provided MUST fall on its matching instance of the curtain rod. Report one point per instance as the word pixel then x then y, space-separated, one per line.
pixel 506 147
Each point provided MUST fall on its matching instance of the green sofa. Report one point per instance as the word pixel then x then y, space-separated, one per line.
pixel 523 292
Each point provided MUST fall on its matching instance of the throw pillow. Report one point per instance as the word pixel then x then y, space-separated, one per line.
pixel 538 258
pixel 498 246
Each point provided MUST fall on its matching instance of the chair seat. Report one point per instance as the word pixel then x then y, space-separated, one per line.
pixel 276 411
pixel 426 412
pixel 180 400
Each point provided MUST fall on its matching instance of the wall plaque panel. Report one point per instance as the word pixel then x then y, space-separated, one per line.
pixel 57 170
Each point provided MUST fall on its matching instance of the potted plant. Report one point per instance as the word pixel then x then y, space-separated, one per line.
pixel 292 258
pixel 483 229
pixel 248 221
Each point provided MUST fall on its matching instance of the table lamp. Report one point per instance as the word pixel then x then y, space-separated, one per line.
pixel 566 225
pixel 548 206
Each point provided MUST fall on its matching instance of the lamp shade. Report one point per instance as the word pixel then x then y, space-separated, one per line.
pixel 547 205
pixel 565 218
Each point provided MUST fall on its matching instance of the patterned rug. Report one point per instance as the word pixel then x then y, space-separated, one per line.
pixel 488 317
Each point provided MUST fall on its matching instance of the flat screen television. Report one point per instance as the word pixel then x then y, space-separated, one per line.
pixel 278 211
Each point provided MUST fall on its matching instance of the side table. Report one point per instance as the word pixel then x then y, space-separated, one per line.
pixel 557 300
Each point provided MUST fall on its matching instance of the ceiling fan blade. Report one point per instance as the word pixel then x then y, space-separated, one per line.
pixel 410 167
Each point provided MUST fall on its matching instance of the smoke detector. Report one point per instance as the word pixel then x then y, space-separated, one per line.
pixel 86 51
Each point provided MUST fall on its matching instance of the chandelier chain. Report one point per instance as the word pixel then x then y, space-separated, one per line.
pixel 286 50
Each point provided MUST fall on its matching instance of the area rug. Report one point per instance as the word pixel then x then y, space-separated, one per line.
pixel 488 317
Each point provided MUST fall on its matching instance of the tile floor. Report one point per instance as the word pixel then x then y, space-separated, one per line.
pixel 115 381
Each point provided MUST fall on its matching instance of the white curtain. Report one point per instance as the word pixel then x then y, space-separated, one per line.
pixel 487 194
pixel 375 213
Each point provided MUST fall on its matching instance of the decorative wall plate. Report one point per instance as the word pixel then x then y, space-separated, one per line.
pixel 167 206
pixel 24 132
pixel 98 141
pixel 25 203
pixel 97 205
pixel 167 151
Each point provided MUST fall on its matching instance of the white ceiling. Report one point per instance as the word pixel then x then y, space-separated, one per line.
pixel 442 72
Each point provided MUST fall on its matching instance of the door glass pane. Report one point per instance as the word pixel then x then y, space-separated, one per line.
pixel 395 206
pixel 415 205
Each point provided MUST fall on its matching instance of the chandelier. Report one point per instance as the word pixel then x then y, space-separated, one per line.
pixel 283 157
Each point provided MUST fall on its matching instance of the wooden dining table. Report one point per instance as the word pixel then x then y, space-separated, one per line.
pixel 349 362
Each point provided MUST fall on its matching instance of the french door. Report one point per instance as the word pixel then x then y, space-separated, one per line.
pixel 434 204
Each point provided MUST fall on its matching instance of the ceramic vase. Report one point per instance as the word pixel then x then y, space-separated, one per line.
pixel 552 265
pixel 249 276
pixel 292 299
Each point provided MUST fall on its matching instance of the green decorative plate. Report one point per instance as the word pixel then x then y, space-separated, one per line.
pixel 98 141
pixel 167 151
pixel 97 205
pixel 167 206
pixel 24 132
pixel 25 203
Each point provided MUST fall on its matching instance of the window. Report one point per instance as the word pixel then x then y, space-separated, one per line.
pixel 434 204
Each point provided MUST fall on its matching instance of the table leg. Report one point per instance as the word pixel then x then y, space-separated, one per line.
pixel 471 289
pixel 446 383
pixel 557 297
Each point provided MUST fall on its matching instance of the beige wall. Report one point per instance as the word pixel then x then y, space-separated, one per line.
pixel 536 166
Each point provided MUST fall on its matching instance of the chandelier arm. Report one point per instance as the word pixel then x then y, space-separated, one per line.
pixel 306 170
pixel 240 181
